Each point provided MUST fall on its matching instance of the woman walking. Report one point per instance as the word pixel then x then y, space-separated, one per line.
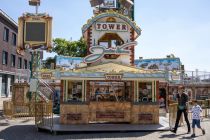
pixel 182 108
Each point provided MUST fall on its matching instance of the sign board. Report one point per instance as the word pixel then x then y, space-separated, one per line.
pixel 109 4
pixel 175 77
pixel 33 85
pixel 111 26
pixel 34 32
pixel 47 75
pixel 98 52
pixel 114 77
pixel 34 2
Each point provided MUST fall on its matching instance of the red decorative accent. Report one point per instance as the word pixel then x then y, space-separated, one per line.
pixel 89 40
pixel 132 47
pixel 157 90
pixel 74 116
pixel 62 92
pixel 111 56
pixel 132 92
pixel 145 117
pixel 88 91
pixel 113 115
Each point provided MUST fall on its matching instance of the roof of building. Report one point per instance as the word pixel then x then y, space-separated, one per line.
pixel 8 18
pixel 116 68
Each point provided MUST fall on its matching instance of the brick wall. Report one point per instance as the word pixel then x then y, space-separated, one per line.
pixel 8 47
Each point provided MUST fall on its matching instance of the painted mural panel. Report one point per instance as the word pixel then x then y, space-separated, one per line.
pixel 159 64
pixel 69 63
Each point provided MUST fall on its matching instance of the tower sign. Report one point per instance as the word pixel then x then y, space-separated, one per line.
pixel 110 26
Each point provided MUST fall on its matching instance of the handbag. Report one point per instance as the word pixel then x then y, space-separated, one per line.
pixel 181 107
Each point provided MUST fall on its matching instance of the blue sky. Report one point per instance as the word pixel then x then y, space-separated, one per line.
pixel 181 27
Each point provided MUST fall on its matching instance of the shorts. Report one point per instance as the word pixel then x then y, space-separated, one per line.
pixel 196 122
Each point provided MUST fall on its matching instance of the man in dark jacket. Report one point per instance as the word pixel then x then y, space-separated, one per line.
pixel 182 108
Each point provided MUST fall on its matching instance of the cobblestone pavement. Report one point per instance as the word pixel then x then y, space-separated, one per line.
pixel 25 130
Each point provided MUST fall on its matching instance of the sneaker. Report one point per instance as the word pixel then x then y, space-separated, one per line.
pixel 193 135
pixel 188 132
pixel 204 132
pixel 173 131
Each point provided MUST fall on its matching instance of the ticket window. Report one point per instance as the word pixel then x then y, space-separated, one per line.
pixel 145 92
pixel 73 91
pixel 110 91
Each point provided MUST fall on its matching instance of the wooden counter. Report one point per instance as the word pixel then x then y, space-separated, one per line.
pixel 112 112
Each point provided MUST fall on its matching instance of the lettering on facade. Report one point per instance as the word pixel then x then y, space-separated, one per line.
pixel 110 26
pixel 74 116
pixel 98 52
pixel 110 115
pixel 46 75
pixel 114 77
pixel 145 117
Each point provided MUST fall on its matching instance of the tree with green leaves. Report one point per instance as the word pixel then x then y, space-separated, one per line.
pixel 70 48
pixel 48 62
pixel 67 48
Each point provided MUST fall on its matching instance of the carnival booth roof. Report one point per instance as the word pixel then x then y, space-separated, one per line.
pixel 98 71
pixel 114 67
pixel 112 13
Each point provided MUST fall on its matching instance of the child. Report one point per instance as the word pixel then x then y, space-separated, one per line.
pixel 196 110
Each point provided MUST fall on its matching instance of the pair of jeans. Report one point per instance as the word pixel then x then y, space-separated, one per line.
pixel 179 113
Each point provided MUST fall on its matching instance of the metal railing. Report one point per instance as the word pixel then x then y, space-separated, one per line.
pixel 190 77
pixel 45 91
pixel 23 110
pixel 42 112
pixel 44 115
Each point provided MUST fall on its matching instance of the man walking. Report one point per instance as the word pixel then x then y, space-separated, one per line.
pixel 182 108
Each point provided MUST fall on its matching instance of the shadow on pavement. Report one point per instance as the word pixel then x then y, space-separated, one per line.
pixel 171 135
pixel 190 138
pixel 26 132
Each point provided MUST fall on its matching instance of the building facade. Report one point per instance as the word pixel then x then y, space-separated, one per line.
pixel 13 67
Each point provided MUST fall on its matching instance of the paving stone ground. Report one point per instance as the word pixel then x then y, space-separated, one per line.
pixel 17 129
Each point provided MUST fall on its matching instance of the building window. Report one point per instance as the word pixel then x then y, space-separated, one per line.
pixel 110 91
pixel 145 92
pixel 12 60
pixel 6 34
pixel 5 58
pixel 25 64
pixel 110 40
pixel 14 39
pixel 73 91
pixel 19 62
